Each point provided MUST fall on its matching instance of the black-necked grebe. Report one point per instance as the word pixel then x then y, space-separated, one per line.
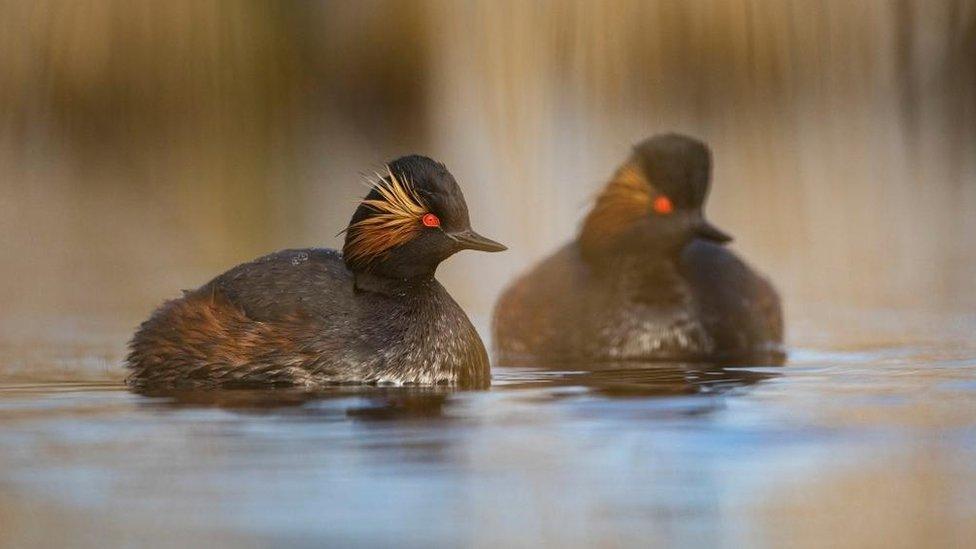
pixel 647 278
pixel 373 314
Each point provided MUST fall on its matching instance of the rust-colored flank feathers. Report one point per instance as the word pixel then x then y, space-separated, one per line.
pixel 625 200
pixel 398 219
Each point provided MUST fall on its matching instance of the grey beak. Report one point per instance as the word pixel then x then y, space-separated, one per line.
pixel 707 231
pixel 470 240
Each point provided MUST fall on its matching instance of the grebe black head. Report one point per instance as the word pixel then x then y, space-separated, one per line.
pixel 413 218
pixel 654 201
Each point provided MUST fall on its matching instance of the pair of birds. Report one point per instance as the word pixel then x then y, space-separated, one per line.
pixel 646 279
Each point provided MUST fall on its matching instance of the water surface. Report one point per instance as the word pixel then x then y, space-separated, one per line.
pixel 867 437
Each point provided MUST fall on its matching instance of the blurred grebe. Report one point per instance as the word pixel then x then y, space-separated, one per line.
pixel 372 314
pixel 647 278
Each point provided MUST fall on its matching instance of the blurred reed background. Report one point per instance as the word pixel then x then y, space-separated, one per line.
pixel 147 146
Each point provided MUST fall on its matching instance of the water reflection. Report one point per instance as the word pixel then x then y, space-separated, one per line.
pixel 358 402
pixel 634 379
pixel 527 384
pixel 371 403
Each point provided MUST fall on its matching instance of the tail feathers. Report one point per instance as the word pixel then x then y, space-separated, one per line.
pixel 203 338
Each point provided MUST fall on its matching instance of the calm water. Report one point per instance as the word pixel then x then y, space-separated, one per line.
pixel 867 437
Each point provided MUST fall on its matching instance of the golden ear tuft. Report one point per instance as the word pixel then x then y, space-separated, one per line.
pixel 624 201
pixel 397 219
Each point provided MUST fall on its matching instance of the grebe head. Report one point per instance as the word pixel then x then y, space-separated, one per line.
pixel 413 218
pixel 654 202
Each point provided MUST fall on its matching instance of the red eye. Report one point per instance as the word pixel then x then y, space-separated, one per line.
pixel 663 205
pixel 430 220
